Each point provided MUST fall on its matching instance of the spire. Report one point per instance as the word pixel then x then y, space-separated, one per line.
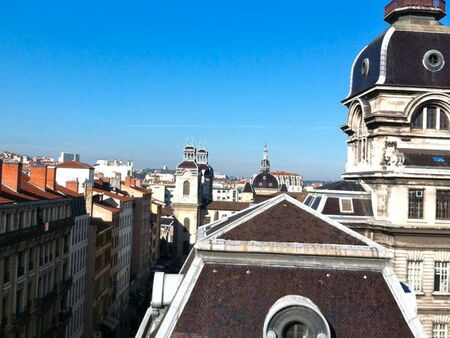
pixel 431 10
pixel 265 163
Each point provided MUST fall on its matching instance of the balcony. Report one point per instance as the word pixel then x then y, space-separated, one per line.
pixel 437 7
pixel 23 235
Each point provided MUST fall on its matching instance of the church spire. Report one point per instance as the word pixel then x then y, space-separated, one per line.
pixel 265 163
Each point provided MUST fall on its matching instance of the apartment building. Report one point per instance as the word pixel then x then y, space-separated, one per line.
pixel 35 241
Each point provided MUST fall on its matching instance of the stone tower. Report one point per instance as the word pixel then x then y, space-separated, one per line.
pixel 192 179
pixel 399 148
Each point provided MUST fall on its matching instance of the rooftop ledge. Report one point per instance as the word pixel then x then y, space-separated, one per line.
pixel 436 8
pixel 306 249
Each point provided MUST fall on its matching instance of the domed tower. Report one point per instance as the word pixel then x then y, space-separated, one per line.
pixel 265 183
pixel 398 146
pixel 186 202
pixel 207 173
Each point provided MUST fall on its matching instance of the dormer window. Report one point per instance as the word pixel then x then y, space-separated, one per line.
pixel 430 118
pixel 295 316
pixel 346 205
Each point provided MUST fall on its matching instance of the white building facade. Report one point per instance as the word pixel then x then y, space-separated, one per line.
pixel 112 168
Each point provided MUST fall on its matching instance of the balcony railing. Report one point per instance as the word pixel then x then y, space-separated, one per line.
pixel 393 5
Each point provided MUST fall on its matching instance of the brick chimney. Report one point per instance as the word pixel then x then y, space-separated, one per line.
pixel 128 181
pixel 72 185
pixel 11 175
pixel 51 178
pixel 38 176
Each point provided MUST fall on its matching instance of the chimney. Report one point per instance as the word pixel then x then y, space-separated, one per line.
pixel 11 175
pixel 51 178
pixel 72 185
pixel 133 182
pixel 138 183
pixel 128 181
pixel 38 176
pixel 89 198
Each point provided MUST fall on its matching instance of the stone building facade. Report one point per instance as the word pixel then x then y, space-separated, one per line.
pixel 398 151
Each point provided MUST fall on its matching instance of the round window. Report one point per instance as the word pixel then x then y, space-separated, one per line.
pixel 433 60
pixel 365 66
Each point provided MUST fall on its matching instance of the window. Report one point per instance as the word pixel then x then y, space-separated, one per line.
pixel 441 276
pixel 360 134
pixel 308 200
pixel 187 224
pixel 295 317
pixel 186 188
pixel 433 60
pixel 316 203
pixel 415 207
pixel 414 275
pixel 346 205
pixel 440 330
pixel 430 117
pixel 442 204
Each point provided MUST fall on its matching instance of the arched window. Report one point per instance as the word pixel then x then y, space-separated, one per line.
pixel 186 188
pixel 360 135
pixel 430 117
pixel 295 317
pixel 187 223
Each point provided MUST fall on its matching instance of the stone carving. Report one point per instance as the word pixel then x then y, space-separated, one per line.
pixel 392 157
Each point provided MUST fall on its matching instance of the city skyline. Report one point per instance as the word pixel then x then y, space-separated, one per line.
pixel 134 82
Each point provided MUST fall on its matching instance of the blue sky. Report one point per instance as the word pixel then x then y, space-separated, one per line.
pixel 135 79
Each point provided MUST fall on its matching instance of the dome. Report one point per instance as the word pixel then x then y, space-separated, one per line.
pixel 265 180
pixel 404 55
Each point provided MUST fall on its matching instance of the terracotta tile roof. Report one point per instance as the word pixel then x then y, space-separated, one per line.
pixel 67 191
pixel 114 195
pixel 227 206
pixel 288 223
pixel 108 207
pixel 234 303
pixel 284 173
pixel 74 165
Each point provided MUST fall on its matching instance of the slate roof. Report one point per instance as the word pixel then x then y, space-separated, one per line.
pixel 405 51
pixel 288 223
pixel 361 207
pixel 343 186
pixel 234 301
pixel 265 180
pixel 227 206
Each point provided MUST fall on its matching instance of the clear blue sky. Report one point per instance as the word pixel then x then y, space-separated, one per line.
pixel 134 79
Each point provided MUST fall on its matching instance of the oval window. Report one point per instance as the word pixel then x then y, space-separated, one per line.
pixel 433 60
